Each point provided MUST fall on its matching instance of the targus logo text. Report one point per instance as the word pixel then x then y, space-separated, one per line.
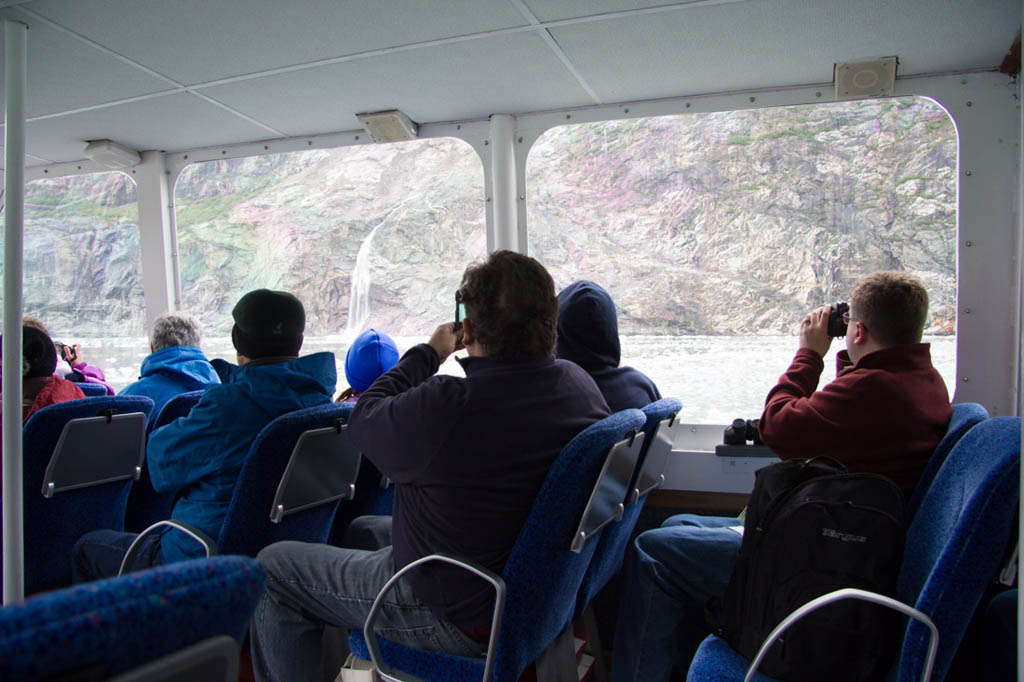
pixel 845 537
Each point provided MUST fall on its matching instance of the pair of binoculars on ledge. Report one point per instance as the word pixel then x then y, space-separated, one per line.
pixel 741 431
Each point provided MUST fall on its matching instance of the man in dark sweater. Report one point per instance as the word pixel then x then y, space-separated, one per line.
pixel 468 457
pixel 884 413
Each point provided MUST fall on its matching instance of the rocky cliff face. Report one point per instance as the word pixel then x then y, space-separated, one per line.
pixel 740 222
pixel 730 223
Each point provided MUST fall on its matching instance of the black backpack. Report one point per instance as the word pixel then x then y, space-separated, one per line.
pixel 812 528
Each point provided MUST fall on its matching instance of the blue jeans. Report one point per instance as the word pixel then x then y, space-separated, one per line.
pixel 669 575
pixel 98 554
pixel 312 586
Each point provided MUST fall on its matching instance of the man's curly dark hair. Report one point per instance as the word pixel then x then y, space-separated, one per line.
pixel 511 305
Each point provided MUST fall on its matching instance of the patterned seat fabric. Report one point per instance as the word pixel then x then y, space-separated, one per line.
pixel 954 546
pixel 965 416
pixel 52 526
pixel 145 505
pixel 541 575
pixel 117 624
pixel 92 390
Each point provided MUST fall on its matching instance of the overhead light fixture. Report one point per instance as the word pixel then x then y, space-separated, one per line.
pixel 111 154
pixel 389 126
pixel 871 78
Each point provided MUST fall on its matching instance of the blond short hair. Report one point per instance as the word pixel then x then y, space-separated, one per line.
pixel 892 305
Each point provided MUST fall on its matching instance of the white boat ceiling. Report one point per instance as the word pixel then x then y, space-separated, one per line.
pixel 176 75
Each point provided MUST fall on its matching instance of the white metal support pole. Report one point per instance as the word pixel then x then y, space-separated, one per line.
pixel 503 178
pixel 156 241
pixel 15 76
pixel 1020 363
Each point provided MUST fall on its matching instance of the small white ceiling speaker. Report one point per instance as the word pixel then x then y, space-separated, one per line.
pixel 111 154
pixel 389 126
pixel 871 78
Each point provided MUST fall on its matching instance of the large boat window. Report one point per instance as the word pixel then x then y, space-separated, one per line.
pixel 82 267
pixel 367 236
pixel 715 233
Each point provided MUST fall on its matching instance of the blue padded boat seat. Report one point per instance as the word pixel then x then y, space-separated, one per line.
pixel 965 416
pixel 104 628
pixel 661 435
pixel 607 500
pixel 145 505
pixel 211 660
pixel 92 390
pixel 954 546
pixel 248 526
pixel 542 575
pixel 611 548
pixel 660 427
pixel 53 524
pixel 323 468
pixel 74 463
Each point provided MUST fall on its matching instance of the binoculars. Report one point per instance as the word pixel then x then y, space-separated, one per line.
pixel 741 431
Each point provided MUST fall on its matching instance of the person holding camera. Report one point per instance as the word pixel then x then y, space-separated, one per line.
pixel 40 387
pixel 884 413
pixel 467 455
pixel 70 364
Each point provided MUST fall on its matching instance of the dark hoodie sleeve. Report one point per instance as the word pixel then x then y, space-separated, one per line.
pixel 402 420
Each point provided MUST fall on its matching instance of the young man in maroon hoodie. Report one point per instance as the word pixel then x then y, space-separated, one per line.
pixel 885 412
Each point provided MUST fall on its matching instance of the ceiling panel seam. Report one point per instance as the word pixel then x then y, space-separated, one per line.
pixel 177 87
pixel 627 13
pixel 97 46
pixel 4 4
pixel 380 52
pixel 225 107
pixel 107 105
pixel 539 26
pixel 556 48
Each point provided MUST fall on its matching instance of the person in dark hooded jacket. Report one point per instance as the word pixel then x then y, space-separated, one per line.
pixel 175 364
pixel 588 334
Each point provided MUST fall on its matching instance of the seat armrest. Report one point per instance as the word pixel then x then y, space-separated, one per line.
pixel 495 580
pixel 850 593
pixel 188 529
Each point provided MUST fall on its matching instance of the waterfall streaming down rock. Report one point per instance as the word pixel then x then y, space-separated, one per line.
pixel 359 293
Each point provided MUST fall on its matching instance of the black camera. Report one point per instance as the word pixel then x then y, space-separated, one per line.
pixel 836 324
pixel 741 431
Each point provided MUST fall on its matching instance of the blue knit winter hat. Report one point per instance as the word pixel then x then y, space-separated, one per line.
pixel 372 354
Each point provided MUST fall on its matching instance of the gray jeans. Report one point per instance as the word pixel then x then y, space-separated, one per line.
pixel 312 586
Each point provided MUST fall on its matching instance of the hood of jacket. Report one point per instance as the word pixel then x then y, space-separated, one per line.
pixel 588 328
pixel 287 383
pixel 186 362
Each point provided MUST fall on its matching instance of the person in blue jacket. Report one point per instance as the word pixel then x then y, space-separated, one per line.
pixel 588 334
pixel 175 364
pixel 199 456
